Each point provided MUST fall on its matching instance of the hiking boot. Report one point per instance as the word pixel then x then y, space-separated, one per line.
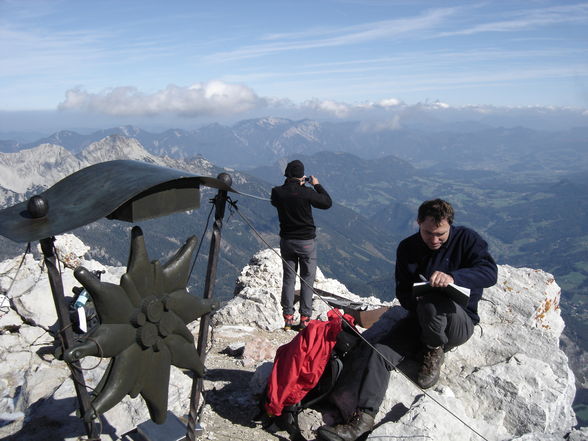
pixel 360 424
pixel 304 320
pixel 288 322
pixel 431 368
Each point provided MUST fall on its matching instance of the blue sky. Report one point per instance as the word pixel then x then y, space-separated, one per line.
pixel 201 60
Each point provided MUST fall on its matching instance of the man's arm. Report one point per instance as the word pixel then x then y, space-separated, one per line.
pixel 478 269
pixel 321 198
pixel 273 198
pixel 404 280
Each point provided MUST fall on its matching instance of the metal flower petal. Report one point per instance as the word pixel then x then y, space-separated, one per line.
pixel 142 328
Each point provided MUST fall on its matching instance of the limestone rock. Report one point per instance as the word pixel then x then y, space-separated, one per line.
pixel 510 381
pixel 258 292
pixel 70 250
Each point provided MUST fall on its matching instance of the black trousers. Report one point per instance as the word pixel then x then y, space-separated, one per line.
pixel 438 322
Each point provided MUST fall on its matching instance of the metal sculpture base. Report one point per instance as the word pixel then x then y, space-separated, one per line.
pixel 172 430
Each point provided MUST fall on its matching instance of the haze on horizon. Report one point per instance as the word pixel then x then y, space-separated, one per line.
pixel 179 64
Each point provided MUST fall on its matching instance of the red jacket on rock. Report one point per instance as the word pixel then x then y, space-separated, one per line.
pixel 299 364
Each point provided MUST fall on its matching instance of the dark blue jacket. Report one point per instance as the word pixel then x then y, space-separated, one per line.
pixel 294 203
pixel 464 256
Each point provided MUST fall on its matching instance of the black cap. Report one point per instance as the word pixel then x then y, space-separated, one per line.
pixel 294 169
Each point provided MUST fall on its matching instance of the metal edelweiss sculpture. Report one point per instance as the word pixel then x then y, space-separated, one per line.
pixel 143 320
pixel 143 328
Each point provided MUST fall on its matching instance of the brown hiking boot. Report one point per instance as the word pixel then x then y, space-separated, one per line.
pixel 360 424
pixel 431 368
pixel 288 322
pixel 304 320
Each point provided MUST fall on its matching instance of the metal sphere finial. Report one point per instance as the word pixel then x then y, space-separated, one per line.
pixel 226 178
pixel 37 206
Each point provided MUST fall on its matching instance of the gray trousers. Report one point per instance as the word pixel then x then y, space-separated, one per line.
pixel 298 253
pixel 443 322
pixel 438 322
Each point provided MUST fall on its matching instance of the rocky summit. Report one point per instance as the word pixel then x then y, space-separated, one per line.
pixel 511 381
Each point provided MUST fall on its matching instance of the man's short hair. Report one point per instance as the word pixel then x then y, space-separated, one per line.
pixel 438 209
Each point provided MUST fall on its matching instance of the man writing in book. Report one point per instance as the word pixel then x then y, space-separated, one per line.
pixel 440 254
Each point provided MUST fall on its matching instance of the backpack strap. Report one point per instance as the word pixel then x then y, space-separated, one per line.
pixel 288 421
pixel 335 366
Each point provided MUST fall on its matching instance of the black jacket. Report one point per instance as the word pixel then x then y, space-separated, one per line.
pixel 464 256
pixel 294 203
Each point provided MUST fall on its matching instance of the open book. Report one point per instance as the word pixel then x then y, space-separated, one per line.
pixel 458 294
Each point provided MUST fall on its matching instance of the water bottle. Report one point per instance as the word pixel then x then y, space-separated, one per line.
pixel 81 300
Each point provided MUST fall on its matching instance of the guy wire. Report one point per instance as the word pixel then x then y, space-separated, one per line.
pixel 200 241
pixel 4 309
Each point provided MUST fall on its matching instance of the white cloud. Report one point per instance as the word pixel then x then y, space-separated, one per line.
pixel 440 105
pixel 529 19
pixel 218 100
pixel 345 110
pixel 335 37
pixel 390 102
pixel 339 110
pixel 209 99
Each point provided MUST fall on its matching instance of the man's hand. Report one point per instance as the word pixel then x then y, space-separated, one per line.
pixel 440 280
pixel 312 180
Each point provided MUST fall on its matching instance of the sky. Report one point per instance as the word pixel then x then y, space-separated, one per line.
pixel 185 62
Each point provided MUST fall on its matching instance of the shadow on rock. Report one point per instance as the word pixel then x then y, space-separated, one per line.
pixel 52 420
pixel 231 397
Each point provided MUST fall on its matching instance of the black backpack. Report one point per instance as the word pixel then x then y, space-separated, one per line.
pixel 347 339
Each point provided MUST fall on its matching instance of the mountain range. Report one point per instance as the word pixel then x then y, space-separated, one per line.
pixel 522 189
pixel 259 142
pixel 26 172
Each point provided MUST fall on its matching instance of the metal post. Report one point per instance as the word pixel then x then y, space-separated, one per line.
pixel 219 203
pixel 66 335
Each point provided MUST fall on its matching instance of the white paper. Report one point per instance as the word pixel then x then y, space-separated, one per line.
pixel 82 319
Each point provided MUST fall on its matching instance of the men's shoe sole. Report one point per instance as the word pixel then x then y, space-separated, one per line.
pixel 427 385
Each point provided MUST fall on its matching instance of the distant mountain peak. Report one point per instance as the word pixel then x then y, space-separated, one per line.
pixel 306 129
pixel 130 131
pixel 272 121
pixel 116 147
pixel 46 163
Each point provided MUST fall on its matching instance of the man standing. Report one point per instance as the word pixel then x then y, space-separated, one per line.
pixel 294 202
pixel 439 253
